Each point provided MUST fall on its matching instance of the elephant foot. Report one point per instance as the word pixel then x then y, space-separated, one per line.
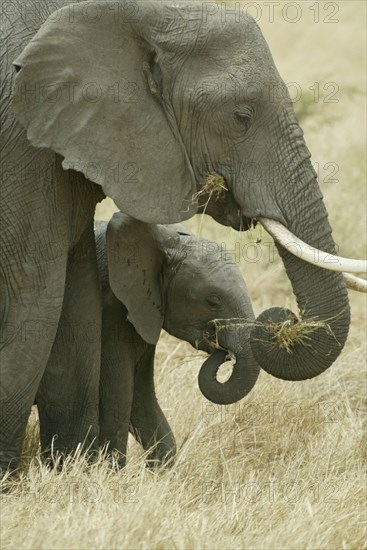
pixel 60 459
pixel 121 462
pixel 7 477
pixel 161 456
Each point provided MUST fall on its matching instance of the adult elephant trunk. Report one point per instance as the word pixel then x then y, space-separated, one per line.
pixel 297 349
pixel 245 372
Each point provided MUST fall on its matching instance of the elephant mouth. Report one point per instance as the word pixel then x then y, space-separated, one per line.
pixel 203 340
pixel 208 344
pixel 214 199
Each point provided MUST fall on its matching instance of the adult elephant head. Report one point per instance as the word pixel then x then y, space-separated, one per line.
pixel 147 98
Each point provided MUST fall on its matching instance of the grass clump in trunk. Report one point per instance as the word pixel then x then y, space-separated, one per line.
pixel 290 333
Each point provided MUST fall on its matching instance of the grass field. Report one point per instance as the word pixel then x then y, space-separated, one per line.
pixel 284 468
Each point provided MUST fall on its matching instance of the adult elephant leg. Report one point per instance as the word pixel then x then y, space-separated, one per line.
pixel 148 423
pixel 30 317
pixel 68 394
pixel 120 344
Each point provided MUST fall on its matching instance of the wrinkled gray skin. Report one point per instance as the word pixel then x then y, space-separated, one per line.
pixel 192 283
pixel 179 90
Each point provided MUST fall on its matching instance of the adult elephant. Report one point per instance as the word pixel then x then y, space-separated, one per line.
pixel 139 101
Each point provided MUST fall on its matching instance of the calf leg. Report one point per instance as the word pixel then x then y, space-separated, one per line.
pixel 148 423
pixel 120 346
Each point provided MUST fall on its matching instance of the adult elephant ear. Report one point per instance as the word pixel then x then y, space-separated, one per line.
pixel 89 87
pixel 135 253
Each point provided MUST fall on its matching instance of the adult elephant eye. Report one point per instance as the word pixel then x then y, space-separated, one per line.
pixel 244 114
pixel 214 301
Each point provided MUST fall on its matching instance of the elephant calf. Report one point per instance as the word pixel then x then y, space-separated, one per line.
pixel 154 277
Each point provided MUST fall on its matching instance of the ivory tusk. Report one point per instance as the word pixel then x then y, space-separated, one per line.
pixel 309 254
pixel 355 283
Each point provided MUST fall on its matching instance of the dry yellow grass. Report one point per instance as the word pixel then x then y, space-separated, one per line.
pixel 213 187
pixel 284 468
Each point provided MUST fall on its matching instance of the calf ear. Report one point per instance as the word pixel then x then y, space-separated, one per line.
pixel 88 87
pixel 135 262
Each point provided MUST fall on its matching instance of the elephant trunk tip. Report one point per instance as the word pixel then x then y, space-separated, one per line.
pixel 239 384
pixel 290 348
pixel 285 330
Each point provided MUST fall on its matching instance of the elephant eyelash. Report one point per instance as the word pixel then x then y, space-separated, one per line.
pixel 214 302
pixel 244 114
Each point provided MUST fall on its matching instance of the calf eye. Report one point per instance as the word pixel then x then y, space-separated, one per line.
pixel 214 301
